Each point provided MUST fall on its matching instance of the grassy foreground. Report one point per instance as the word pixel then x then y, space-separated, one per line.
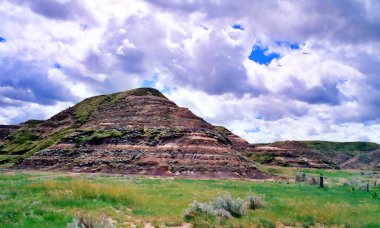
pixel 54 199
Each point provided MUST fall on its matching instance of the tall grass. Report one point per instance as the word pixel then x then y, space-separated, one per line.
pixel 82 189
pixel 52 200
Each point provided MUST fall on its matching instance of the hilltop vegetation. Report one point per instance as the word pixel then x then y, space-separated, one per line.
pixel 83 109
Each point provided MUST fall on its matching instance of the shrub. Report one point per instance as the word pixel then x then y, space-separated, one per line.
pixel 300 177
pixel 89 222
pixel 255 202
pixel 312 180
pixel 223 207
pixel 375 193
pixel 197 209
pixel 225 202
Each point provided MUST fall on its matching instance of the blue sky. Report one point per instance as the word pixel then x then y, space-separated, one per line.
pixel 267 70
pixel 261 55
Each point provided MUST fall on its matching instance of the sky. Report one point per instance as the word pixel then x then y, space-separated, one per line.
pixel 267 70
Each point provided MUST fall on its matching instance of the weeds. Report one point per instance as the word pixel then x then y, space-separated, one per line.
pixel 255 202
pixel 90 222
pixel 312 180
pixel 300 177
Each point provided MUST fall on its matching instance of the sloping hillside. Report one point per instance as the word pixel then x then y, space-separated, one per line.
pixel 133 132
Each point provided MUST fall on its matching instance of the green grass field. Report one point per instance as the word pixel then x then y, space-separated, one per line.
pixel 41 199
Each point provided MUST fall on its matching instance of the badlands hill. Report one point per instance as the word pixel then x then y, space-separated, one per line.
pixel 140 131
pixel 133 132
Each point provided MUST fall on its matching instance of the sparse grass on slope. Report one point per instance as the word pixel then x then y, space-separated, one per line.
pixel 23 144
pixel 342 146
pixel 96 135
pixel 83 109
pixel 144 92
pixel 20 141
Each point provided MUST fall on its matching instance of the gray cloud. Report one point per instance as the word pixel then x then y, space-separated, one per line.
pixel 215 67
pixel 336 21
pixel 325 93
pixel 58 10
pixel 190 45
pixel 28 82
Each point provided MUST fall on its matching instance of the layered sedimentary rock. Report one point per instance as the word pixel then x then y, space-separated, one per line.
pixel 289 153
pixel 138 132
pixel 317 154
pixel 238 143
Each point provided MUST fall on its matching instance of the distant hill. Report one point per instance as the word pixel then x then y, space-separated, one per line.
pixel 138 131
pixel 318 154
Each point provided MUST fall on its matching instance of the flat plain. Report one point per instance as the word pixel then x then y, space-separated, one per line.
pixel 53 199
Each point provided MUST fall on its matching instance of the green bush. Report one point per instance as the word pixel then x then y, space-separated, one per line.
pixel 375 193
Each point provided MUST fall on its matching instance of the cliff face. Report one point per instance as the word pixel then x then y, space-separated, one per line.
pixel 133 132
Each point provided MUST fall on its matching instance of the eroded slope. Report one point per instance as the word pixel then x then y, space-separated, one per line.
pixel 138 131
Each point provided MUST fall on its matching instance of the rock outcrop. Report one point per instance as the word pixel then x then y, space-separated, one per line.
pixel 289 153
